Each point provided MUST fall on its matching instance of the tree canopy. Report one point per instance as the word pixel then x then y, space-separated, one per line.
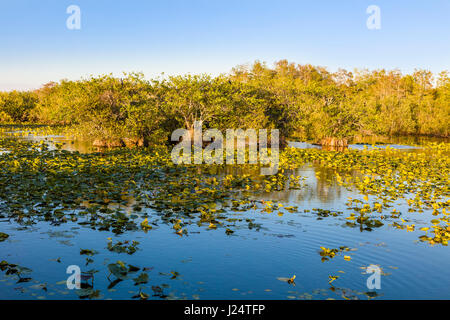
pixel 302 101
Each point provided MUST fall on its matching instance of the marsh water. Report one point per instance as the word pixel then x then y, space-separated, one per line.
pixel 247 264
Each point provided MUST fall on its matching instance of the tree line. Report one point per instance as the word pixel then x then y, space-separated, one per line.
pixel 303 101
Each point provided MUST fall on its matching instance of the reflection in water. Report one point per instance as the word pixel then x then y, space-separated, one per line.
pixel 400 140
pixel 359 143
pixel 317 188
pixel 54 140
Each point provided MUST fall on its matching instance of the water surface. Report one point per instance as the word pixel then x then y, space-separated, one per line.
pixel 210 264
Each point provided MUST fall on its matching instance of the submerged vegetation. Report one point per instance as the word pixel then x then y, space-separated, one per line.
pixel 302 101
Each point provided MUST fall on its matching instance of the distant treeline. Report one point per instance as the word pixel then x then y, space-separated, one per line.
pixel 302 101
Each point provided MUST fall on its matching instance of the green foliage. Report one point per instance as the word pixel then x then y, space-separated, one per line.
pixel 302 101
pixel 15 106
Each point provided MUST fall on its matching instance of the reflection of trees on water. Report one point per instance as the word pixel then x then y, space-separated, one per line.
pixel 322 189
pixel 319 190
pixel 401 140
pixel 67 144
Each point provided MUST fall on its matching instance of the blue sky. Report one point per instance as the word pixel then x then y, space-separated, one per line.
pixel 212 36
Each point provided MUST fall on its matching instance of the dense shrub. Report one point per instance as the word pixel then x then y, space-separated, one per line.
pixel 302 101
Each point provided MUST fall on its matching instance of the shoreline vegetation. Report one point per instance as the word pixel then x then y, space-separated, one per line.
pixel 304 102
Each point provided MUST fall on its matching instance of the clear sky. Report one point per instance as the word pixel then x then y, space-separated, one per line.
pixel 212 36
